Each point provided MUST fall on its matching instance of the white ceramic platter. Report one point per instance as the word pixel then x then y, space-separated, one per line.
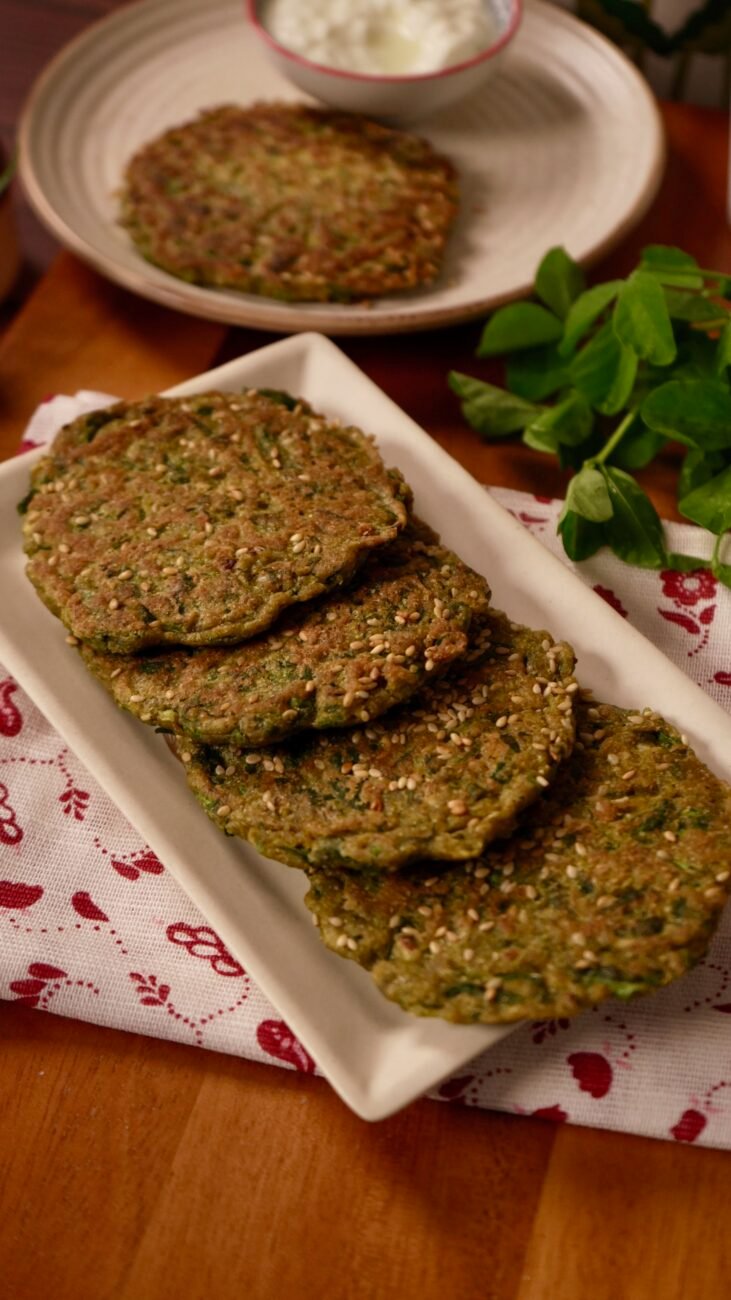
pixel 564 146
pixel 376 1056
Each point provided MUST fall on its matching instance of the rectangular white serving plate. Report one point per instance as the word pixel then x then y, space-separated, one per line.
pixel 376 1056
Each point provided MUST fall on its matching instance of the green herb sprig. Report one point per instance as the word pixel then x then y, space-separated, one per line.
pixel 628 366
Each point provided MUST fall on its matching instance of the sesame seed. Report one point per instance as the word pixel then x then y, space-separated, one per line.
pixel 502 722
pixel 541 780
pixel 468 954
pixel 627 776
pixel 670 835
pixel 723 875
pixel 457 807
pixel 113 604
pixel 74 640
pixel 334 920
pixel 289 715
pixel 223 810
pixel 434 947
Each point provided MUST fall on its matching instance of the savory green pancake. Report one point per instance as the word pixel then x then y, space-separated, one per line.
pixel 436 778
pixel 611 887
pixel 198 520
pixel 314 669
pixel 291 202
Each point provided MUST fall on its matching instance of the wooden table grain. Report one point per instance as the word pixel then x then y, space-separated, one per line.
pixel 133 1169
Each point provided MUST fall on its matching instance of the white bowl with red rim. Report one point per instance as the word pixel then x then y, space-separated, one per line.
pixel 401 98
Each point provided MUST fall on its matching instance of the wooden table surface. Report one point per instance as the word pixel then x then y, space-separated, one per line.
pixel 132 1169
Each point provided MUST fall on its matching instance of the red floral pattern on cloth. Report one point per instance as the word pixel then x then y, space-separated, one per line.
pixel 93 926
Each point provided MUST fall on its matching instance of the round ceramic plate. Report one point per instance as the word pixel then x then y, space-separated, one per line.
pixel 564 146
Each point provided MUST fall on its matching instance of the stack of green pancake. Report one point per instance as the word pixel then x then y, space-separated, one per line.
pixel 491 844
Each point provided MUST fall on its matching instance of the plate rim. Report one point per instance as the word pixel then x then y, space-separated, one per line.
pixel 271 315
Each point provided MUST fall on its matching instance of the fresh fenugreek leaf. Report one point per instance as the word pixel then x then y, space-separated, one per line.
pixel 584 312
pixel 666 257
pixel 581 538
pixel 691 307
pixel 536 374
pixel 518 326
pixel 671 266
pixel 694 411
pixel 491 410
pixel 634 531
pixel 638 447
pixel 723 351
pixel 722 572
pixel 641 320
pixel 622 384
pixel 686 563
pixel 710 504
pixel 559 281
pixel 602 369
pixel 697 468
pixel 588 495
pixel 654 351
pixel 569 422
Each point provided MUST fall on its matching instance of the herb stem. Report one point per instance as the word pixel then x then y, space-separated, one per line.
pixel 716 557
pixel 615 439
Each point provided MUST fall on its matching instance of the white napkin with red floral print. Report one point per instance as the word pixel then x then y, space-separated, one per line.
pixel 92 925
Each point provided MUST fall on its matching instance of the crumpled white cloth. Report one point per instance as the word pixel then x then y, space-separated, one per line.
pixel 92 926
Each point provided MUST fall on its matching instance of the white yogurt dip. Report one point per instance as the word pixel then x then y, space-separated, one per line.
pixel 382 37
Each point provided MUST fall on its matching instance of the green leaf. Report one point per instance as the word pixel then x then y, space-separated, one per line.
pixel 686 563
pixel 638 447
pixel 491 410
pixel 622 384
pixel 722 572
pixel 723 351
pixel 634 532
pixel 695 411
pixel 581 539
pixel 517 326
pixel 671 266
pixel 588 495
pixel 582 314
pixel 559 281
pixel 604 371
pixel 697 468
pixel 641 320
pixel 710 504
pixel 691 307
pixel 665 256
pixel 536 374
pixel 569 422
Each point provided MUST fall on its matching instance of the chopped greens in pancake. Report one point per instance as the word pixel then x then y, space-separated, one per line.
pixel 611 887
pixel 314 669
pixel 291 202
pixel 198 520
pixel 436 778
